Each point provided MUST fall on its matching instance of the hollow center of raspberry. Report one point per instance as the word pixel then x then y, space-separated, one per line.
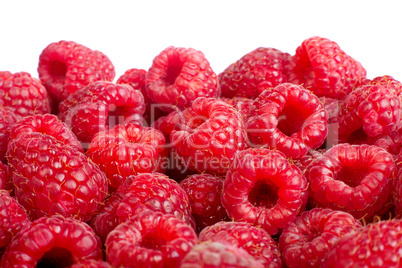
pixel 172 73
pixel 55 258
pixel 352 176
pixel 58 69
pixel 290 120
pixel 152 241
pixel 264 194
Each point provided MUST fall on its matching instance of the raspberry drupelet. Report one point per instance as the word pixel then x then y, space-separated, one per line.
pixel 264 189
pixel 7 119
pixel 289 118
pixel 178 76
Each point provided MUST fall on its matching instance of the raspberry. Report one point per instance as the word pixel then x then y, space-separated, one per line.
pixel 375 245
pixel 208 136
pixel 99 106
pixel 7 119
pixel 264 189
pixel 52 242
pixel 353 178
pixel 255 241
pixel 143 192
pixel 243 105
pixel 66 66
pixel 204 192
pixel 150 239
pixel 23 94
pixel 127 149
pixel 288 118
pixel 306 241
pixel 324 68
pixel 216 255
pixel 167 123
pixel 46 124
pixel 136 78
pixel 373 110
pixel 178 76
pixel 91 264
pixel 12 218
pixel 241 78
pixel 51 178
pixel 155 192
pixel 397 186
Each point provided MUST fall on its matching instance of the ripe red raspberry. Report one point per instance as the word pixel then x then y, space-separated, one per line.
pixel 150 239
pixel 51 178
pixel 66 66
pixel 208 136
pixel 204 192
pixel 23 94
pixel 12 218
pixel 397 186
pixel 167 123
pixel 243 105
pixel 52 242
pixel 241 78
pixel 7 119
pixel 353 178
pixel 255 241
pixel 216 255
pixel 145 191
pixel 374 110
pixel 127 149
pixel 46 124
pixel 99 106
pixel 306 241
pixel 289 118
pixel 324 68
pixel 385 81
pixel 178 76
pixel 376 245
pixel 91 264
pixel 264 189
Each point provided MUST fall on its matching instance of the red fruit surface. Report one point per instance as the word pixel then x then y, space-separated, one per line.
pixel 91 264
pixel 46 124
pixel 150 239
pixel 66 66
pixel 263 64
pixel 375 245
pixel 127 149
pixel 52 242
pixel 51 178
pixel 324 68
pixel 254 240
pixel 7 119
pixel 208 136
pixel 264 189
pixel 372 110
pixel 3 175
pixel 178 76
pixel 216 255
pixel 306 241
pixel 23 94
pixel 289 118
pixel 99 106
pixel 204 192
pixel 12 218
pixel 397 186
pixel 353 178
pixel 241 104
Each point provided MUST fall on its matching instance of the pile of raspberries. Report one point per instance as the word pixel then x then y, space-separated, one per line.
pixel 280 160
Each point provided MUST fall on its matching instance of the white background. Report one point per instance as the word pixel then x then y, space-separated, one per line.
pixel 132 33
